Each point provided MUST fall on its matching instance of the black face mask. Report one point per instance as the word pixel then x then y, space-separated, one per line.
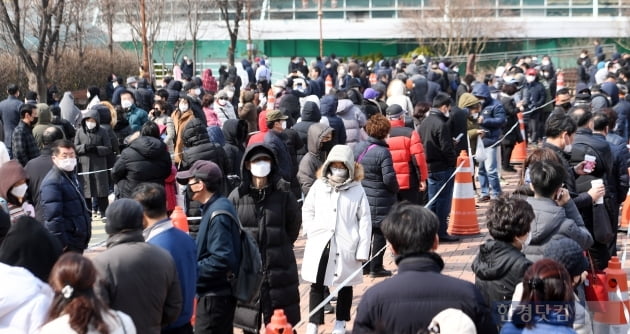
pixel 327 146
pixel 188 193
pixel 566 105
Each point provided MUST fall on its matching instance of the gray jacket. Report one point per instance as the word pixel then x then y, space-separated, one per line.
pixel 553 222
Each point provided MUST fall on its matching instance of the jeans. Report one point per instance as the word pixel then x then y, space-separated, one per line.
pixel 488 174
pixel 215 315
pixel 441 206
pixel 317 295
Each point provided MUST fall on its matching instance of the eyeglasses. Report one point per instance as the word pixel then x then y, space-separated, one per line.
pixel 223 98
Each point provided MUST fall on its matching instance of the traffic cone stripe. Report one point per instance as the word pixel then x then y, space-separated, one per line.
pixel 615 317
pixel 463 220
pixel 463 191
pixel 519 154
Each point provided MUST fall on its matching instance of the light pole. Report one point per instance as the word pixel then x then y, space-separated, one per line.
pixel 250 46
pixel 320 14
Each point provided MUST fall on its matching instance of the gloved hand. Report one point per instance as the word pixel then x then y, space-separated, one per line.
pixel 90 148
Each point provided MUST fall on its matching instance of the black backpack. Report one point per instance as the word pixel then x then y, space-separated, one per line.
pixel 247 282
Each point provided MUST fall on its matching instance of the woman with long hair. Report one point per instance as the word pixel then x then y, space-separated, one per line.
pixel 75 307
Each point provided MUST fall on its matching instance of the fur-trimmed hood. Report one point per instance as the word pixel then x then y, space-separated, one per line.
pixel 342 153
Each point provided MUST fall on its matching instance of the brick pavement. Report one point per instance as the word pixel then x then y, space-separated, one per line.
pixel 457 258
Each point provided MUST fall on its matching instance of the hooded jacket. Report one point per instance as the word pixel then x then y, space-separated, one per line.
pixel 353 121
pixel 10 115
pixel 96 184
pixel 273 218
pixel 209 82
pixel 174 89
pixel 438 142
pixel 180 119
pixel 43 122
pixel 315 157
pixel 199 147
pixel 498 267
pixel 310 116
pixel 396 95
pixel 235 133
pixel 328 108
pixel 339 215
pixel 249 111
pixel 25 300
pixel 553 222
pixel 492 112
pixel 69 111
pixel 145 160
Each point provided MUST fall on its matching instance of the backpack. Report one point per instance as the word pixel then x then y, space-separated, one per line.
pixel 247 282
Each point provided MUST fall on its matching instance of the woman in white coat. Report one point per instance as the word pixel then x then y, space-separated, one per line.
pixel 337 224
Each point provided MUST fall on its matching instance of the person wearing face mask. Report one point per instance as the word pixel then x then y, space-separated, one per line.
pixel 555 215
pixel 65 213
pixel 181 116
pixel 536 98
pixel 94 150
pixel 23 142
pixel 338 230
pixel 500 265
pixel 491 119
pixel 223 107
pixel 512 108
pixel 268 209
pixel 136 116
pixel 563 101
pixel 319 142
pixel 13 190
pixel 193 92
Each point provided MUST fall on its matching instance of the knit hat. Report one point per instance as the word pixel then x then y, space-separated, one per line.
pixel 203 170
pixel 11 172
pixel 452 321
pixel 568 253
pixel 394 111
pixel 189 85
pixel 274 115
pixel 123 214
pixel 467 100
pixel 370 94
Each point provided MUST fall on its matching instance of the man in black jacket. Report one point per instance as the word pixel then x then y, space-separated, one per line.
pixel 441 158
pixel 400 304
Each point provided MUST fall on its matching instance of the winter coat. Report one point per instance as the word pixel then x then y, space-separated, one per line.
pixel 554 222
pixel 24 147
pixel 117 323
pixel 43 123
pixel 273 218
pixel 259 136
pixel 64 212
pixel 25 300
pixel 69 111
pixel 403 305
pixel 37 169
pixel 396 95
pixel 498 268
pixel 235 133
pixel 249 111
pixel 286 156
pixel 10 116
pixel 310 116
pixel 353 121
pixel 136 117
pixel 145 160
pixel 96 184
pixel 168 134
pixel 328 108
pixel 408 155
pixel 339 216
pixel 224 112
pixel 174 89
pixel 380 182
pixel 536 96
pixel 438 142
pixel 209 82
pixel 180 119
pixel 199 147
pixel 122 131
pixel 139 279
pixel 511 118
pixel 493 114
pixel 315 157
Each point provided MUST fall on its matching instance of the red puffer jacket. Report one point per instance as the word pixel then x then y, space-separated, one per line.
pixel 405 143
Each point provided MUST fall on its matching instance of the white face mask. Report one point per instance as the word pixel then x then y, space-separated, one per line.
pixel 545 62
pixel 567 148
pixel 230 94
pixel 284 125
pixel 183 107
pixel 67 164
pixel 197 91
pixel 475 115
pixel 90 125
pixel 341 173
pixel 126 104
pixel 530 78
pixel 20 190
pixel 221 102
pixel 88 95
pixel 260 168
pixel 447 114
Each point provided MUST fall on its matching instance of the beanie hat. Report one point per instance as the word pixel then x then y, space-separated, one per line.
pixel 123 214
pixel 394 111
pixel 370 94
pixel 467 100
pixel 568 253
pixel 451 321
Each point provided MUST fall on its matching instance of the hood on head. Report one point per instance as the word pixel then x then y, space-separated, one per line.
pixel 247 96
pixel 11 172
pixel 310 112
pixel 24 288
pixel 482 90
pixel 91 113
pixel 328 105
pixel 149 147
pixel 611 90
pixel 43 113
pixel 104 114
pixel 235 131
pixel 342 153
pixel 246 175
pixel 316 132
pixel 67 96
pixel 396 87
pixel 311 98
pixel 195 133
pixel 262 121
pixel 175 85
pixel 344 106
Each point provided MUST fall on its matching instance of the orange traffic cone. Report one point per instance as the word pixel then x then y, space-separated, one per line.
pixel 278 324
pixel 329 84
pixel 625 212
pixel 271 99
pixel 179 219
pixel 615 319
pixel 519 154
pixel 560 80
pixel 372 79
pixel 463 219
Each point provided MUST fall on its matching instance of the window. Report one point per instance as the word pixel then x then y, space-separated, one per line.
pixel 383 14
pixel 383 3
pixel 357 3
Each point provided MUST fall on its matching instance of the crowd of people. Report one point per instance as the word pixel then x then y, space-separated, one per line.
pixel 345 152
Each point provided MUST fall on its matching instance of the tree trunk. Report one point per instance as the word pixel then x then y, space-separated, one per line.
pixel 232 49
pixel 194 54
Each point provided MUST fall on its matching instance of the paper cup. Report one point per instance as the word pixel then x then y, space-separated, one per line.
pixel 597 183
pixel 589 163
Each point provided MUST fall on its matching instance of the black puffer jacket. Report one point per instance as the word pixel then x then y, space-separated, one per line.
pixel 328 108
pixel 498 267
pixel 235 133
pixel 310 116
pixel 174 89
pixel 198 147
pixel 145 160
pixel 273 217
pixel 380 183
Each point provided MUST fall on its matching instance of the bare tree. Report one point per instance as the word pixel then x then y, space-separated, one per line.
pixel 142 28
pixel 194 10
pixel 107 8
pixel 455 27
pixel 231 14
pixel 32 29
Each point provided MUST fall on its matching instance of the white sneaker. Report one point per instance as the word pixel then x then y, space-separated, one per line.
pixel 311 328
pixel 340 327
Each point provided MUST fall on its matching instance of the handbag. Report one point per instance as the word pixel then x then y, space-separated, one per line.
pixel 247 317
pixel 595 288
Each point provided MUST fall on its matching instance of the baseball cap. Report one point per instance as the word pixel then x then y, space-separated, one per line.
pixel 203 170
pixel 274 115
